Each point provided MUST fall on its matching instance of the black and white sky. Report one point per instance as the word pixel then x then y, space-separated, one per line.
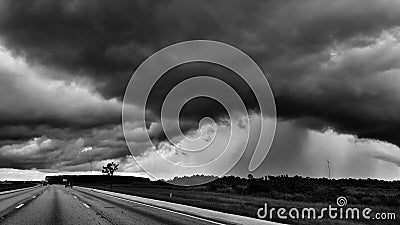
pixel 334 68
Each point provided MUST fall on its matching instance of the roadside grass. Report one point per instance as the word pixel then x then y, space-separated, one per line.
pixel 246 205
pixel 8 187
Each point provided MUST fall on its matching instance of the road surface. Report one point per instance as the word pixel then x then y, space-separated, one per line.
pixel 58 205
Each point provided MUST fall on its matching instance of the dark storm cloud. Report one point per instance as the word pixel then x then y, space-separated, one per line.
pixel 326 62
pixel 22 133
pixel 63 149
pixel 200 107
pixel 101 39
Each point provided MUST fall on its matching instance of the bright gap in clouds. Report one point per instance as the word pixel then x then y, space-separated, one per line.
pixel 28 94
pixel 295 151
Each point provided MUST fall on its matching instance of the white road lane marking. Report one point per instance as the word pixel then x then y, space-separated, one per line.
pixel 167 210
pixel 86 206
pixel 19 206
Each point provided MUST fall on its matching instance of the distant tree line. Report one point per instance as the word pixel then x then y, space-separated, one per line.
pixel 306 189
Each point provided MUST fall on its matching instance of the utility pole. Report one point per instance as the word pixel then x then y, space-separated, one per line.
pixel 329 170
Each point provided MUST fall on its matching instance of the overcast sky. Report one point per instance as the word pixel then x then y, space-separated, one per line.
pixel 333 66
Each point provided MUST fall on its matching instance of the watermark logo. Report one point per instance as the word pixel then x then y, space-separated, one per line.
pixel 330 212
pixel 218 152
pixel 341 201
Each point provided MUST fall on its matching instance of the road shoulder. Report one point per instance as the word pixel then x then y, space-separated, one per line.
pixel 189 210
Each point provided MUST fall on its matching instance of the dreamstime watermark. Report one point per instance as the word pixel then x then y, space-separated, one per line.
pixel 330 212
pixel 137 107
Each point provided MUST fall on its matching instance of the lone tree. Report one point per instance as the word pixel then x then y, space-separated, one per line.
pixel 109 170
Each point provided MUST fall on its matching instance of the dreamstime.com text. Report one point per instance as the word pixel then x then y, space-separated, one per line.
pixel 332 212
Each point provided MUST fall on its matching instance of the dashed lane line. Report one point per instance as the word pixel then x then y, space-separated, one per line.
pixel 19 206
pixel 86 205
pixel 167 210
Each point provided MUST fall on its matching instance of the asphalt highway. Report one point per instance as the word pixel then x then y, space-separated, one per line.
pixel 58 205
